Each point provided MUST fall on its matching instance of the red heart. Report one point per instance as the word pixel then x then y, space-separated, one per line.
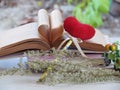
pixel 77 29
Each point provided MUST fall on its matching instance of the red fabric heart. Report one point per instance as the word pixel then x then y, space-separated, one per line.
pixel 77 29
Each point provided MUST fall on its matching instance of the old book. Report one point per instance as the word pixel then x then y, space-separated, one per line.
pixel 48 32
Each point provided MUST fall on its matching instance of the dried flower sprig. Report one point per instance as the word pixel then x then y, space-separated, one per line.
pixel 67 70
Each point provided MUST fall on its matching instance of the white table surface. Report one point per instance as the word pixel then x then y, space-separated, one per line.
pixel 29 83
pixel 17 82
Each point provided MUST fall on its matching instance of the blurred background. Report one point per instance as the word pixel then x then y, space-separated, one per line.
pixel 101 14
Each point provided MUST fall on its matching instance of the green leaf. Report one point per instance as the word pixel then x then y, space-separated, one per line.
pixel 79 14
pixel 90 11
pixel 104 6
pixel 69 1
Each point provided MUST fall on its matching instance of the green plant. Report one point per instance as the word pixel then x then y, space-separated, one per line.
pixel 90 11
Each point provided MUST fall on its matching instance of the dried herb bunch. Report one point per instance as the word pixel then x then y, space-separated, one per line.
pixel 65 67
pixel 57 67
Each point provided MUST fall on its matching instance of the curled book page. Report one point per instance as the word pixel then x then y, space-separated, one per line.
pixel 44 24
pixel 56 25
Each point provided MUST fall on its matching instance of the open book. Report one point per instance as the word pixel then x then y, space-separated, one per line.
pixel 48 32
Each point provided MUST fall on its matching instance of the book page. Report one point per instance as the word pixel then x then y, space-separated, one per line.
pixel 98 38
pixel 18 34
pixel 44 24
pixel 56 25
